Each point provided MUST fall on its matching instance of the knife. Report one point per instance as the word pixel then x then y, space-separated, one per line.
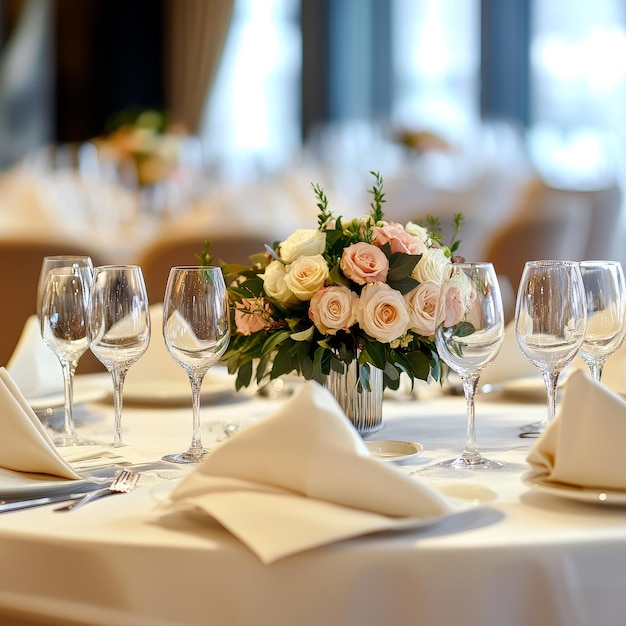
pixel 17 505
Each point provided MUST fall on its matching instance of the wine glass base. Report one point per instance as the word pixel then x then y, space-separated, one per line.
pixel 191 456
pixel 532 430
pixel 474 462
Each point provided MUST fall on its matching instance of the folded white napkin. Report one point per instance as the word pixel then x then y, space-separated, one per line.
pixel 25 445
pixel 302 478
pixel 34 367
pixel 584 446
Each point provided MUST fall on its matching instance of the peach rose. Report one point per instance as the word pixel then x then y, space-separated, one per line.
pixel 423 303
pixel 383 313
pixel 306 275
pixel 399 240
pixel 364 263
pixel 333 309
pixel 251 316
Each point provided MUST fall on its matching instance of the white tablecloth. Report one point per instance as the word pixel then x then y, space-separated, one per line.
pixel 524 558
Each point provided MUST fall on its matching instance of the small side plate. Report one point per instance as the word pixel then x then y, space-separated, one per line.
pixel 606 497
pixel 393 450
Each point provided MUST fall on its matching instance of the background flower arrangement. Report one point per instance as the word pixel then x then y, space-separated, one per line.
pixel 365 289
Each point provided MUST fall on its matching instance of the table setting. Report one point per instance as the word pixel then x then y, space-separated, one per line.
pixel 287 507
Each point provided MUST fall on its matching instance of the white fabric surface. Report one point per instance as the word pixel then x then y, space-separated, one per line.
pixel 321 485
pixel 522 558
pixel 25 445
pixel 34 367
pixel 584 446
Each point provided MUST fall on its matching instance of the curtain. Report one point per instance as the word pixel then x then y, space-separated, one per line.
pixel 195 32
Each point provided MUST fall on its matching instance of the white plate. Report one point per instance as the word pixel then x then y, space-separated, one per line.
pixel 393 450
pixel 89 389
pixel 174 392
pixel 606 497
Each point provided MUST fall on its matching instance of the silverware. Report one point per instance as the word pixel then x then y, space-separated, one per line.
pixel 124 482
pixel 18 505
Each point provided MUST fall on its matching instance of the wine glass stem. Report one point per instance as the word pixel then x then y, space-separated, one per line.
pixel 68 368
pixel 470 384
pixel 595 369
pixel 551 379
pixel 196 383
pixel 118 376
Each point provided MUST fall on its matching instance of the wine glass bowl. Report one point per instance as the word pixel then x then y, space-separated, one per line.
pixel 604 298
pixel 550 323
pixel 63 317
pixel 470 331
pixel 120 326
pixel 196 330
pixel 69 262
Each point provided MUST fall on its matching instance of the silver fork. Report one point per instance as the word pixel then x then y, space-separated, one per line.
pixel 124 482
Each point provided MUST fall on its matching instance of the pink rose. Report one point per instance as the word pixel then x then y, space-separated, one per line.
pixel 454 307
pixel 383 313
pixel 251 316
pixel 423 302
pixel 364 263
pixel 333 309
pixel 399 240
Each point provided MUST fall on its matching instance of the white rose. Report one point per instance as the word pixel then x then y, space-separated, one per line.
pixel 302 242
pixel 431 266
pixel 423 302
pixel 306 275
pixel 383 313
pixel 418 231
pixel 274 284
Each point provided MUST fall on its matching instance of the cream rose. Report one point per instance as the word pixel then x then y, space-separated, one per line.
pixel 275 286
pixel 418 231
pixel 364 263
pixel 306 275
pixel 431 266
pixel 383 313
pixel 399 240
pixel 302 242
pixel 423 303
pixel 333 309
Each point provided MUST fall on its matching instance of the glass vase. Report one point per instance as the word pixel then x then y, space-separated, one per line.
pixel 363 408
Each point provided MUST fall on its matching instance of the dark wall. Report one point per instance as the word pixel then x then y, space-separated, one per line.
pixel 109 58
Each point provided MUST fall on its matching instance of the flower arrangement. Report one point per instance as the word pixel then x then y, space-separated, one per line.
pixel 365 289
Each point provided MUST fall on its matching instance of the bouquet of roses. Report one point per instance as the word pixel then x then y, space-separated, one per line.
pixel 366 289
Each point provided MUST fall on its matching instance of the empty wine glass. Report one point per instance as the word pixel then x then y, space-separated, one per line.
pixel 604 297
pixel 470 331
pixel 196 329
pixel 550 322
pixel 120 326
pixel 63 261
pixel 63 318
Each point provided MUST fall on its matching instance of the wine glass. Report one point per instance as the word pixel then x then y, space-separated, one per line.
pixel 604 297
pixel 120 326
pixel 63 318
pixel 550 322
pixel 470 331
pixel 63 261
pixel 196 329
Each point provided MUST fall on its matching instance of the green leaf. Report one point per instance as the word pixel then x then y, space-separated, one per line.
pixel 275 340
pixel 464 329
pixel 401 265
pixel 404 285
pixel 374 352
pixel 304 335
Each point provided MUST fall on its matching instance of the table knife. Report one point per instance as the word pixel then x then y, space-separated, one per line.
pixel 17 505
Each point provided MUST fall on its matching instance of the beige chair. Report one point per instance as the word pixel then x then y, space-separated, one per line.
pixel 550 229
pixel 20 264
pixel 166 253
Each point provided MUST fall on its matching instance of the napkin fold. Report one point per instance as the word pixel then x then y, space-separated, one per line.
pixel 301 478
pixel 35 369
pixel 25 445
pixel 584 445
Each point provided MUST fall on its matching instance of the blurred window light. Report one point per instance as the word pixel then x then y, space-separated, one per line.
pixel 252 117
pixel 436 64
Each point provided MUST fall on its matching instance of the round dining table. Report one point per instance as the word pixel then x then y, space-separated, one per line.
pixel 513 555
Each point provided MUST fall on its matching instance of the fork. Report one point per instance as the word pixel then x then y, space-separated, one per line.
pixel 124 482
